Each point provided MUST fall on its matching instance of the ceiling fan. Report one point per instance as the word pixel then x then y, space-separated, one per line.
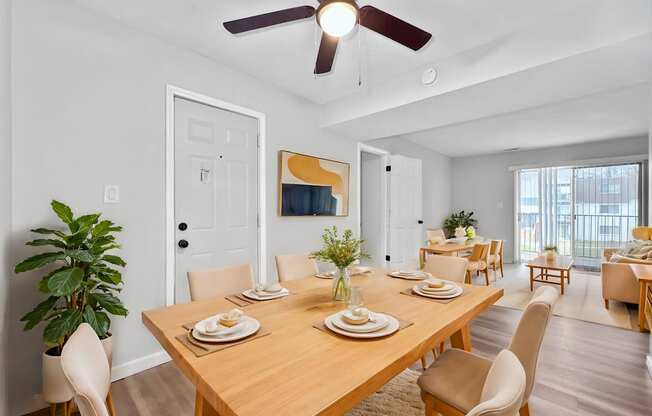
pixel 337 18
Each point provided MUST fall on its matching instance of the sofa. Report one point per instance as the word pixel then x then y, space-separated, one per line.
pixel 618 280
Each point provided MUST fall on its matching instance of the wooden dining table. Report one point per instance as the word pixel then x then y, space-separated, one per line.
pixel 446 249
pixel 303 371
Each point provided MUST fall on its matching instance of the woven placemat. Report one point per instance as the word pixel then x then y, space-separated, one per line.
pixel 201 349
pixel 402 324
pixel 409 292
pixel 239 300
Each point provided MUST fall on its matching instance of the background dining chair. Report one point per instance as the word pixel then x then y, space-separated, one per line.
pixel 495 258
pixel 447 267
pixel 478 262
pixel 292 267
pixel 86 368
pixel 456 379
pixel 435 236
pixel 214 283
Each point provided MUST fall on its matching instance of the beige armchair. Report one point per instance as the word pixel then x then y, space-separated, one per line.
pixel 292 267
pixel 618 280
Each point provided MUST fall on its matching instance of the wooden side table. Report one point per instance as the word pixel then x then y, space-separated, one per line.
pixel 544 267
pixel 643 274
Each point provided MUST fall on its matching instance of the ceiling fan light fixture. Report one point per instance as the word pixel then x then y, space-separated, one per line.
pixel 337 18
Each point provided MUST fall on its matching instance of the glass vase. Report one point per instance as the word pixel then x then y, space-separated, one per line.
pixel 341 285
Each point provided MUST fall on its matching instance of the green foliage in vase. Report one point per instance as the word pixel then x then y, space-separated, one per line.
pixel 550 248
pixel 459 219
pixel 82 282
pixel 341 251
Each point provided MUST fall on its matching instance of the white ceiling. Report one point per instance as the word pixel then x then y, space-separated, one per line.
pixel 613 114
pixel 478 46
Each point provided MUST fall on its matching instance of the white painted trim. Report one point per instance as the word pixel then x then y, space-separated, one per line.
pixel 138 365
pixel 648 361
pixel 384 194
pixel 171 93
pixel 517 235
pixel 585 163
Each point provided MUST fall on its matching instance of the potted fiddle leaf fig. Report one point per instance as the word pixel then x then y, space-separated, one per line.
pixel 81 284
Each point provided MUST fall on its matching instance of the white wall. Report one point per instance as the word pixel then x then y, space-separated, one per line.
pixel 89 108
pixel 5 186
pixel 437 177
pixel 485 185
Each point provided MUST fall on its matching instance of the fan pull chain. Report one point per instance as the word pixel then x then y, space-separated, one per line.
pixel 359 58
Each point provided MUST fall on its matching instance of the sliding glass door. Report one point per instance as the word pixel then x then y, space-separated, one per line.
pixel 579 210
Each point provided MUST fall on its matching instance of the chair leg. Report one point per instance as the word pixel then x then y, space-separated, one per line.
pixel 53 409
pixel 502 273
pixel 525 410
pixel 424 365
pixel 442 347
pixel 486 275
pixel 109 404
pixel 606 303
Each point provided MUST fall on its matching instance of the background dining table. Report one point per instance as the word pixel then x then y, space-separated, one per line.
pixel 302 371
pixel 446 249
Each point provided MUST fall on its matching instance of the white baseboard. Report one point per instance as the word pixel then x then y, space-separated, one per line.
pixel 140 364
pixel 648 361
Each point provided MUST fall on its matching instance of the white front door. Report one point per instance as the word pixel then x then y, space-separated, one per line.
pixel 216 190
pixel 406 206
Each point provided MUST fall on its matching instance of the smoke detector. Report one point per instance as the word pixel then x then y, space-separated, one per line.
pixel 429 76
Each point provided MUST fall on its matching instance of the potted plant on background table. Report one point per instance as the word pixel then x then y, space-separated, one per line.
pixel 461 219
pixel 81 284
pixel 550 252
pixel 342 252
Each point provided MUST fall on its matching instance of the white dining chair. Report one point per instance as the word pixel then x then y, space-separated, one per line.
pixel 454 382
pixel 293 266
pixel 86 367
pixel 218 282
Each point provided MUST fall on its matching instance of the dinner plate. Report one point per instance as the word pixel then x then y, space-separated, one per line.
pixel 446 288
pixel 392 326
pixel 327 275
pixel 359 270
pixel 416 289
pixel 251 294
pixel 419 275
pixel 251 326
pixel 380 318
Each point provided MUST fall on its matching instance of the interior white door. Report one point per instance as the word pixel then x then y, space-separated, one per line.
pixel 216 190
pixel 372 218
pixel 406 206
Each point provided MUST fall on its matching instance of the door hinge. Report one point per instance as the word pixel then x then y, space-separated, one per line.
pixel 388 168
pixel 387 258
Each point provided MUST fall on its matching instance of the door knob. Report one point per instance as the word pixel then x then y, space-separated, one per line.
pixel 183 243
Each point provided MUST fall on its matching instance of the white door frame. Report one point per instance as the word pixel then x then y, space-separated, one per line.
pixel 173 92
pixel 384 192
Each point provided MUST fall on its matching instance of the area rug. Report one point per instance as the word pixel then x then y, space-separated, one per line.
pixel 400 397
pixel 582 299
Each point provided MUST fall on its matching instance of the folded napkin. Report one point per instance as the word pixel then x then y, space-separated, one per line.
pixel 228 331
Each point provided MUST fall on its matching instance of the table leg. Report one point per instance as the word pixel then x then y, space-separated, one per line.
pixel 568 272
pixel 202 407
pixel 562 281
pixel 641 305
pixel 422 258
pixel 462 339
pixel 531 279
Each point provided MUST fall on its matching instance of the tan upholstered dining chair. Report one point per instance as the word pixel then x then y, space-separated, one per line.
pixel 478 262
pixel 496 256
pixel 502 391
pixel 454 384
pixel 214 283
pixel 292 267
pixel 435 236
pixel 86 367
pixel 447 267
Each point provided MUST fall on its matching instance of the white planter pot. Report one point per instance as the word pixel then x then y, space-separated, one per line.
pixel 55 385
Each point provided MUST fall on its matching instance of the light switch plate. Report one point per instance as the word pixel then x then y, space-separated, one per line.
pixel 111 194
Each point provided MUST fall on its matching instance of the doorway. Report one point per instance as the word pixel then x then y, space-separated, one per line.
pixel 372 203
pixel 214 188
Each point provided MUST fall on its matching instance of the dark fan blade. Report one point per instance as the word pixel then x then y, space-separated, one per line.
pixel 393 28
pixel 326 55
pixel 269 19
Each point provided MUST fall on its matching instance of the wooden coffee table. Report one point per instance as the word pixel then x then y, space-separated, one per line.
pixel 546 271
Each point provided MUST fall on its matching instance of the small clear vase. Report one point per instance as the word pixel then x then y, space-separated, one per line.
pixel 341 286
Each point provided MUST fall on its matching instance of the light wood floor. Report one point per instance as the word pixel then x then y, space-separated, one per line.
pixel 585 369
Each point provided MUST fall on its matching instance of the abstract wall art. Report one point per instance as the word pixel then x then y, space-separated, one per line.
pixel 312 186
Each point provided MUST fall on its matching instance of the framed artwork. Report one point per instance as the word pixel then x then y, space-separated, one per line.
pixel 312 186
